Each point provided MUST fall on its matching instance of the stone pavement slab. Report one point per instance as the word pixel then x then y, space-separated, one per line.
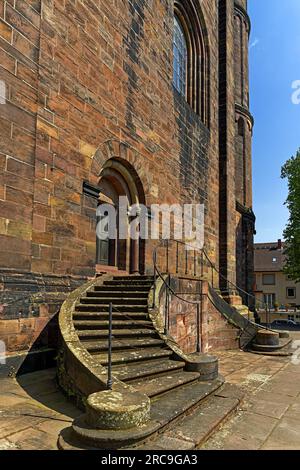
pixel 286 436
pixel 272 409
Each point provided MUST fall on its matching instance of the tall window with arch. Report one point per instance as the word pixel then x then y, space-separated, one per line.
pixel 179 58
pixel 191 57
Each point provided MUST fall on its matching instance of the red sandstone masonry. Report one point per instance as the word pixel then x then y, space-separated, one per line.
pixel 83 77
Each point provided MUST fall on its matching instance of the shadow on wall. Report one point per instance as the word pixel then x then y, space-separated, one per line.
pixel 41 354
pixel 37 374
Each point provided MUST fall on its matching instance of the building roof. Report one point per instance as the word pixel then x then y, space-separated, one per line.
pixel 269 257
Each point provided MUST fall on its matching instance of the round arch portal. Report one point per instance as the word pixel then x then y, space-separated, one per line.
pixel 119 179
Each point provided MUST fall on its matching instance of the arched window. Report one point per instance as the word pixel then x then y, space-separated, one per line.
pixel 179 58
pixel 190 56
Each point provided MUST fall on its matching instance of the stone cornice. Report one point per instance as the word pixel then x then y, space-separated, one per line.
pixel 241 11
pixel 244 112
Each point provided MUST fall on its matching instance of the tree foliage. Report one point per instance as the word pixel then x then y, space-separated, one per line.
pixel 291 172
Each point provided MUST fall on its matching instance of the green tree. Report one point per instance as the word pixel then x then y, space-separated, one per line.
pixel 291 172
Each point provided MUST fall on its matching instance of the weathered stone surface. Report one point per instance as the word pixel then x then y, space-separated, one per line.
pixel 115 100
pixel 117 410
pixel 267 338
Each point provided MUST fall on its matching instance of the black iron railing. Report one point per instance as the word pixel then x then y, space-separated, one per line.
pixel 193 265
pixel 110 339
pixel 191 261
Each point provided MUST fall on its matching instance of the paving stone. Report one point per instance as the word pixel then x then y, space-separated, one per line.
pixel 232 442
pixel 33 439
pixel 251 424
pixel 283 388
pixel 54 426
pixel 293 411
pixel 11 425
pixel 267 395
pixel 285 436
pixel 8 400
pixel 165 442
pixel 272 409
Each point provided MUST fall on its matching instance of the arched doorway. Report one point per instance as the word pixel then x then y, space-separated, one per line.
pixel 118 181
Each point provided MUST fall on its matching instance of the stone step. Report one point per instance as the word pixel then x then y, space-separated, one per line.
pixel 105 308
pixel 119 324
pixel 137 370
pixel 166 411
pixel 125 284
pixel 117 293
pixel 123 333
pixel 123 288
pixel 133 278
pixel 169 406
pixel 99 316
pixel 193 430
pixel 282 344
pixel 96 346
pixel 108 300
pixel 164 383
pixel 134 355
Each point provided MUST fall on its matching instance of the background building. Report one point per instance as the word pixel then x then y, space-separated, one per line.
pixel 273 287
pixel 147 99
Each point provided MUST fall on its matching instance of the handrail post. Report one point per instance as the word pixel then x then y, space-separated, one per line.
pixel 198 326
pixel 167 309
pixel 167 260
pixel 154 279
pixel 186 261
pixel 109 376
pixel 169 283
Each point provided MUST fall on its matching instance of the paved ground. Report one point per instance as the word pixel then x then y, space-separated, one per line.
pixel 33 410
pixel 269 418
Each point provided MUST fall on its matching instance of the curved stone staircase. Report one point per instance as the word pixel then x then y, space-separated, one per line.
pixel 147 367
pixel 140 357
pixel 154 383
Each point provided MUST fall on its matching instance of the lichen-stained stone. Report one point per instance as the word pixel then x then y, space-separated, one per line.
pixel 117 410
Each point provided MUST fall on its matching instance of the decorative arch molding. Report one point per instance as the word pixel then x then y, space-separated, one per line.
pixel 240 12
pixel 191 18
pixel 243 112
pixel 114 173
pixel 119 155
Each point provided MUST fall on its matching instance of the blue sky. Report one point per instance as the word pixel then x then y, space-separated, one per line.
pixel 274 66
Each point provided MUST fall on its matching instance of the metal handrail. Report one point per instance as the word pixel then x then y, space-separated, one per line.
pixel 168 286
pixel 169 289
pixel 203 254
pixel 110 338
